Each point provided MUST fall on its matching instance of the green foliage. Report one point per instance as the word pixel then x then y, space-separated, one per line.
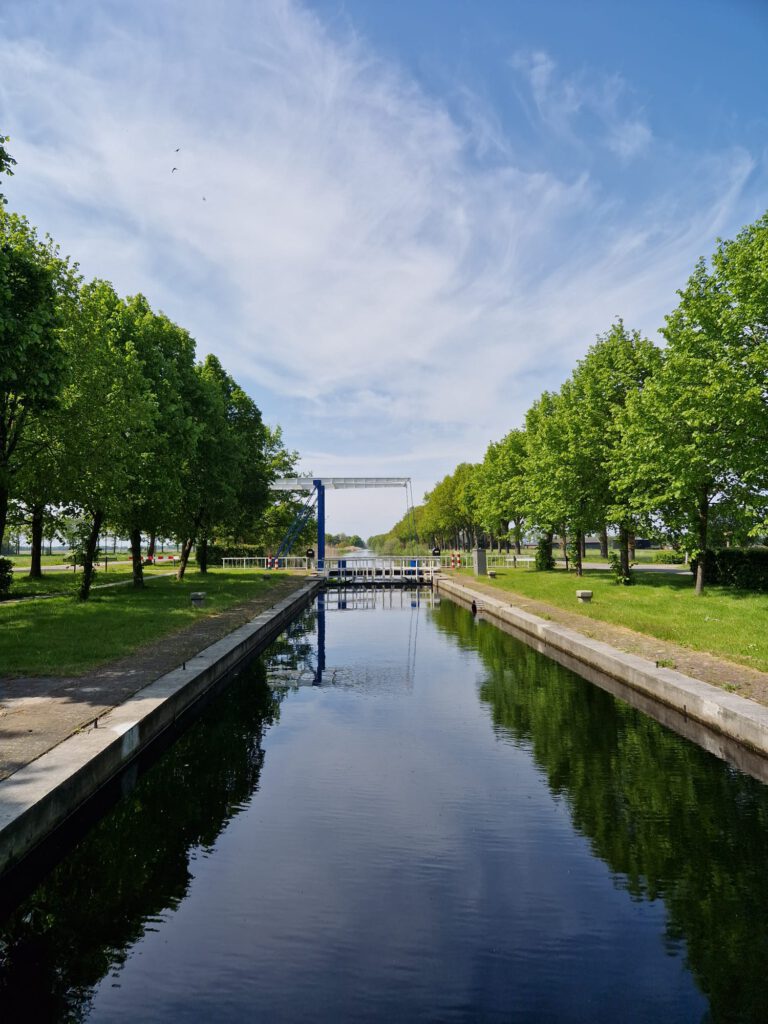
pixel 668 558
pixel 77 539
pixel 217 551
pixel 35 285
pixel 343 540
pixel 544 561
pixel 696 437
pixel 6 577
pixel 6 162
pixel 741 568
pixel 621 577
pixel 500 497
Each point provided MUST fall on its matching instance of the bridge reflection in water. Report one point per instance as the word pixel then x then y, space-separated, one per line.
pixel 290 672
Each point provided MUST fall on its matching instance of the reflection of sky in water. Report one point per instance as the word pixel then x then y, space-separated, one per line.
pixel 399 859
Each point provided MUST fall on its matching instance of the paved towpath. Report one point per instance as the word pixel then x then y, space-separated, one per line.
pixel 747 682
pixel 36 713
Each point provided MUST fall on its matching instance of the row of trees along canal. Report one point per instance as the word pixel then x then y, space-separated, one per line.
pixel 670 442
pixel 105 413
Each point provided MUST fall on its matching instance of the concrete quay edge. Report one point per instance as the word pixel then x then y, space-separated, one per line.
pixel 737 719
pixel 42 795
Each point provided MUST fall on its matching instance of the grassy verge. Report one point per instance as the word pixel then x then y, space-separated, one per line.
pixel 59 558
pixel 64 637
pixel 724 622
pixel 64 583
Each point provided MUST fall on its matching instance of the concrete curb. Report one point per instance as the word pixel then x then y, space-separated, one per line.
pixel 736 718
pixel 39 797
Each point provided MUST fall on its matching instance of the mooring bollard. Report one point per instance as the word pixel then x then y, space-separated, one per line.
pixel 197 597
pixel 583 596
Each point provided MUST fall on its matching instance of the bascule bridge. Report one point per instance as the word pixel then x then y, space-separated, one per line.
pixel 315 488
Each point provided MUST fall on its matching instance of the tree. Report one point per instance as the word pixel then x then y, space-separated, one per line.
pixel 107 414
pixel 36 283
pixel 501 491
pixel 166 360
pixel 615 367
pixel 6 163
pixel 695 438
pixel 226 478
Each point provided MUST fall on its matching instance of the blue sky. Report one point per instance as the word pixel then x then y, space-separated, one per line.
pixel 417 216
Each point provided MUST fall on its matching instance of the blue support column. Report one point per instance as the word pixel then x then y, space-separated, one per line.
pixel 318 680
pixel 319 486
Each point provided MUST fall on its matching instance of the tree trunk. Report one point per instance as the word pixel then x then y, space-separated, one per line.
pixel 703 517
pixel 631 545
pixel 583 545
pixel 518 536
pixel 136 566
pixel 604 542
pixel 151 548
pixel 36 562
pixel 202 554
pixel 4 498
pixel 579 549
pixel 564 546
pixel 90 554
pixel 186 551
pixel 624 549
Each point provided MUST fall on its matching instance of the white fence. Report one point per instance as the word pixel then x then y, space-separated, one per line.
pixel 383 565
pixel 284 562
pixel 500 560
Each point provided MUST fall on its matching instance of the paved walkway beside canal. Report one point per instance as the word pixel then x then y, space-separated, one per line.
pixel 37 713
pixel 747 682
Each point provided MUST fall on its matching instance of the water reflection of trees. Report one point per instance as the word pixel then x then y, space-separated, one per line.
pixel 670 820
pixel 135 864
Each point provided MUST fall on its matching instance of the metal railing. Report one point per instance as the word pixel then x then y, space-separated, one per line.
pixel 383 565
pixel 273 562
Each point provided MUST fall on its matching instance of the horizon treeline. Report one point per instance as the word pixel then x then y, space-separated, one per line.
pixel 665 442
pixel 107 416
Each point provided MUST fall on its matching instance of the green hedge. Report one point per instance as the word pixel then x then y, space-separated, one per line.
pixel 669 558
pixel 743 568
pixel 218 551
pixel 6 577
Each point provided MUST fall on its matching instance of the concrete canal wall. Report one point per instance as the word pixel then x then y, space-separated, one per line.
pixel 730 726
pixel 40 797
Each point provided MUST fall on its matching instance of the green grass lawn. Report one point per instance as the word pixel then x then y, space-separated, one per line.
pixel 66 582
pixel 64 637
pixel 59 558
pixel 729 623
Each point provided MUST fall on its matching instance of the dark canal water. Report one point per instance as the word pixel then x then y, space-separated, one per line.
pixel 449 828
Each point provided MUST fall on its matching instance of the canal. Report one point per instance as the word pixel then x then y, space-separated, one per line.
pixel 400 812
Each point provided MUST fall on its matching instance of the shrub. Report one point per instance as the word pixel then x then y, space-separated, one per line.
pixel 741 568
pixel 669 558
pixel 624 579
pixel 6 577
pixel 218 551
pixel 544 560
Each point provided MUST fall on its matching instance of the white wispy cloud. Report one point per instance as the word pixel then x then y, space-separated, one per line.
pixel 334 233
pixel 564 103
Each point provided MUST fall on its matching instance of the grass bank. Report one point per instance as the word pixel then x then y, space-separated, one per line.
pixel 64 637
pixel 727 623
pixel 66 583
